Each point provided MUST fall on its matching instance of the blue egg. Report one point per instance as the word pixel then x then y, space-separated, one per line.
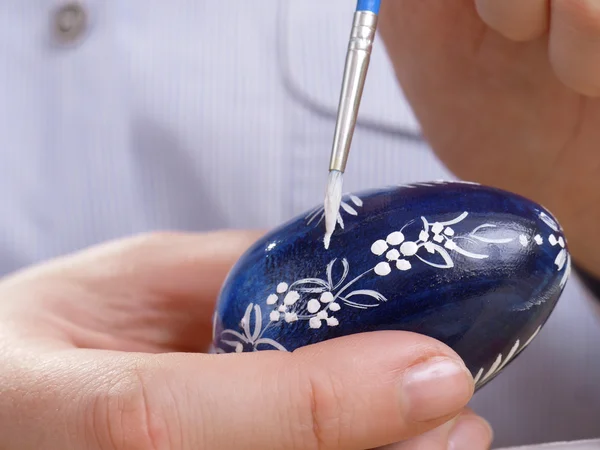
pixel 475 267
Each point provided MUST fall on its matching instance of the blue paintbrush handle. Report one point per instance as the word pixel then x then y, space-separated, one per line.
pixel 368 5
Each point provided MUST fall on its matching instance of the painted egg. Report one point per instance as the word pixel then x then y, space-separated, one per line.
pixel 475 267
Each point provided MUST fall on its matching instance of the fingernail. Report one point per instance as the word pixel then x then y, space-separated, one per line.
pixel 471 433
pixel 436 388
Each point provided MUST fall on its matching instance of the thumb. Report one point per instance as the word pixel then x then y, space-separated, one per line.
pixel 357 392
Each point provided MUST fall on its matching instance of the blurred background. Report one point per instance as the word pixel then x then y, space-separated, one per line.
pixel 124 116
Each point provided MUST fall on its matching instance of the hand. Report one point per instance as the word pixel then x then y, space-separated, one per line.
pixel 465 432
pixel 505 93
pixel 92 356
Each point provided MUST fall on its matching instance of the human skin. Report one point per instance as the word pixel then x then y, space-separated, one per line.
pixel 506 92
pixel 104 350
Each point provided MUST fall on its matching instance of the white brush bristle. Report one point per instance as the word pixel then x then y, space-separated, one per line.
pixel 333 200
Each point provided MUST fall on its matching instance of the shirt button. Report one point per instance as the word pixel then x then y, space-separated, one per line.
pixel 69 22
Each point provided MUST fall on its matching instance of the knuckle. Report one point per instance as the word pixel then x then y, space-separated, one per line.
pixel 119 416
pixel 152 239
pixel 515 21
pixel 324 410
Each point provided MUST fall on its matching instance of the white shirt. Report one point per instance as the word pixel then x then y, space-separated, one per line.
pixel 198 115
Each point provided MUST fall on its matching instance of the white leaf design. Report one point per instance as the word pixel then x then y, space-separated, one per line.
pixel 357 201
pixel 246 320
pixel 310 285
pixel 510 355
pixel 469 254
pixel 561 259
pixel 257 322
pixel 340 220
pixel 349 209
pixel 355 304
pixel 493 368
pixel 549 221
pixel 314 214
pixel 346 266
pixel 492 241
pixel 455 220
pixel 425 224
pixel 566 273
pixel 500 362
pixel 474 235
pixel 442 252
pixel 271 342
pixel 235 334
pixel 232 343
pixel 368 293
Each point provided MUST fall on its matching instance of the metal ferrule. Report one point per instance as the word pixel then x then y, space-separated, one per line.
pixel 355 71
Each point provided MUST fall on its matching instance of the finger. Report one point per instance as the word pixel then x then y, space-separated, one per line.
pixel 470 432
pixel 436 439
pixel 465 432
pixel 149 293
pixel 358 392
pixel 352 393
pixel 172 265
pixel 575 44
pixel 518 20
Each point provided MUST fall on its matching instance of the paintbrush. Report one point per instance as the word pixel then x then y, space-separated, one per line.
pixel 358 56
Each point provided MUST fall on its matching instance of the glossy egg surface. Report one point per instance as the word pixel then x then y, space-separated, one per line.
pixel 477 268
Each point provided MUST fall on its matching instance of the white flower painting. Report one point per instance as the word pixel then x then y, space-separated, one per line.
pixel 317 303
pixel 251 335
pixel 314 301
pixel 437 238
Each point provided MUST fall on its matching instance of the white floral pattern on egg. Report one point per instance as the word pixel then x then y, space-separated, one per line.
pixel 478 268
